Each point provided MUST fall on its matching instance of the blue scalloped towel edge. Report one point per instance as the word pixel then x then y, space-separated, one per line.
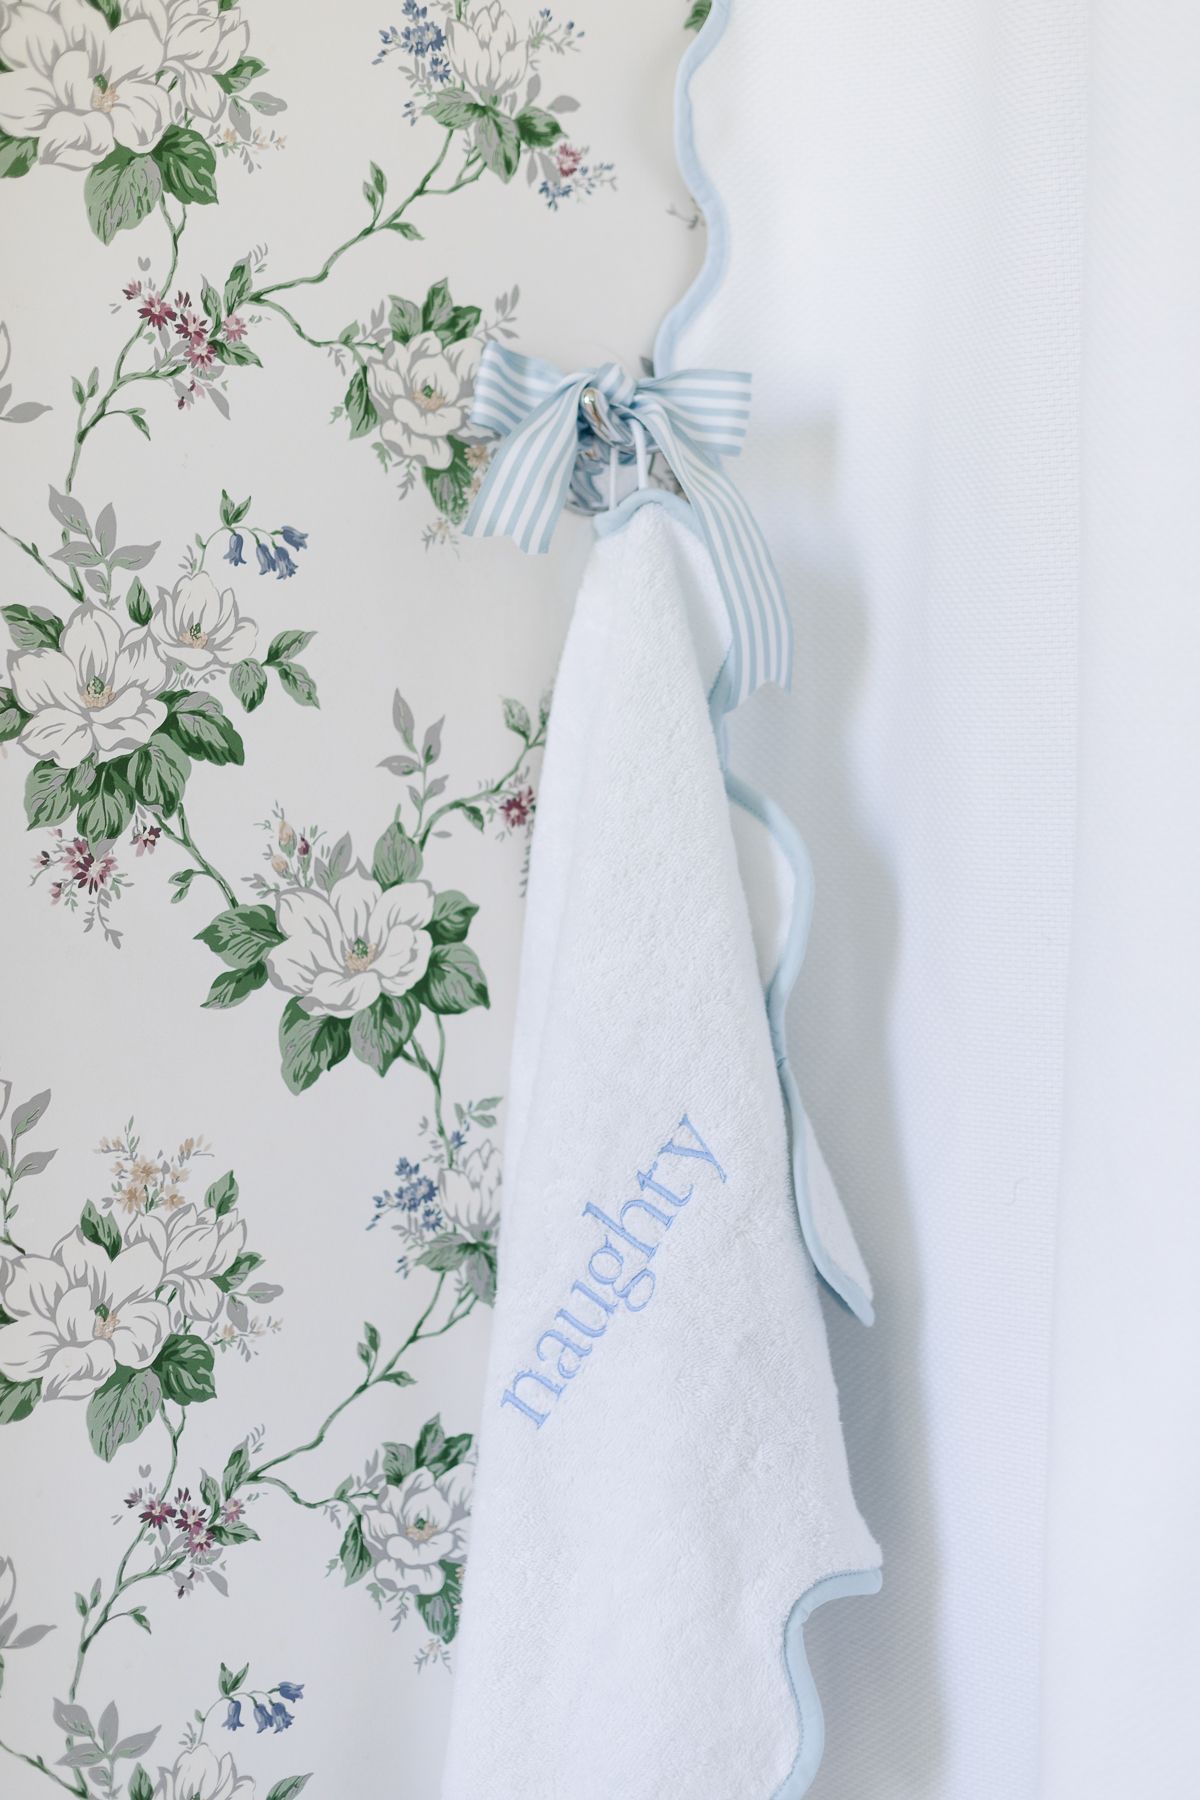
pixel 810 1713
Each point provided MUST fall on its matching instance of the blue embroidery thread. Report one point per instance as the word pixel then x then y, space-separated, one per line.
pixel 636 1293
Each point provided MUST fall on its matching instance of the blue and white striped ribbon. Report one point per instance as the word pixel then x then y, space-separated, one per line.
pixel 550 455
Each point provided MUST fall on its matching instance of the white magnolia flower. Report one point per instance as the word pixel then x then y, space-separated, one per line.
pixel 471 1194
pixel 77 1316
pixel 201 1775
pixel 486 53
pixel 78 87
pixel 202 43
pixel 345 949
pixel 199 626
pixel 94 694
pixel 193 1246
pixel 422 393
pixel 416 1526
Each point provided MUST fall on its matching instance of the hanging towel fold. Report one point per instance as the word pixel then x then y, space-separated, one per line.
pixel 663 1486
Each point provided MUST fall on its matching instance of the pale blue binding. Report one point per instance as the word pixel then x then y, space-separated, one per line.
pixel 803 1771
pixel 809 1712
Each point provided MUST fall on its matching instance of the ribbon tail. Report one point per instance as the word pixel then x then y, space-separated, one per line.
pixel 525 488
pixel 760 623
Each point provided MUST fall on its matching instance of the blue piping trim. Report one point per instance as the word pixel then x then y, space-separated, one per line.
pixel 779 990
pixel 808 1700
pixel 809 1712
pixel 716 255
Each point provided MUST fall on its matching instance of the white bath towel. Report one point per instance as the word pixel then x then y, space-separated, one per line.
pixel 662 1483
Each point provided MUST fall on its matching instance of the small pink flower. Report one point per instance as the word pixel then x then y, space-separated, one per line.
pixel 56 891
pixel 155 309
pixel 132 290
pixel 231 1512
pixel 146 839
pixel 234 329
pixel 519 808
pixel 200 353
pixel 567 158
pixel 157 1512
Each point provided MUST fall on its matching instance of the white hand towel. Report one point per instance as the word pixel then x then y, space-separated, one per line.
pixel 663 1494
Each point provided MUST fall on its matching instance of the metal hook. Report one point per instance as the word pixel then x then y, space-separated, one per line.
pixel 595 410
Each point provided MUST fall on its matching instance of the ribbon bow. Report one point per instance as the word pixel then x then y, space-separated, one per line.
pixel 558 433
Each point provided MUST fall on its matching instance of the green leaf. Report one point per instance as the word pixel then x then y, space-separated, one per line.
pixel 399 1462
pixel 455 110
pixel 237 287
pixel 184 1366
pixel 243 72
pixel 403 229
pixel 360 408
pixel 378 1034
pixel 397 858
pixel 121 191
pixel 188 164
pixel 232 986
pixel 450 488
pixel 479 1273
pixel 438 306
pixel 51 793
pixel 100 1229
pixel 137 602
pixel 13 717
pixel 499 143
pixel 32 627
pixel 236 356
pixel 233 511
pixel 473 816
pixel 17 155
pixel 287 644
pixel 289 1787
pixel 211 302
pixel 459 323
pixel 700 11
pixel 138 418
pixel 452 915
pixel 140 1785
pixel 399 1378
pixel 444 1254
pixel 121 1410
pixel 242 935
pixel 159 773
pixel 181 881
pixel 107 807
pixel 230 1279
pixel 538 128
pixel 234 1534
pixel 446 1454
pixel 517 719
pixel 404 319
pixel 248 682
pixel 440 1611
pixel 111 11
pixel 222 1195
pixel 310 1044
pixel 297 683
pixel 197 722
pixel 236 1471
pixel 454 981
pixel 17 1399
pixel 354 1556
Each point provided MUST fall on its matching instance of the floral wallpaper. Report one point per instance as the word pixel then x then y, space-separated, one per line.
pixel 270 737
